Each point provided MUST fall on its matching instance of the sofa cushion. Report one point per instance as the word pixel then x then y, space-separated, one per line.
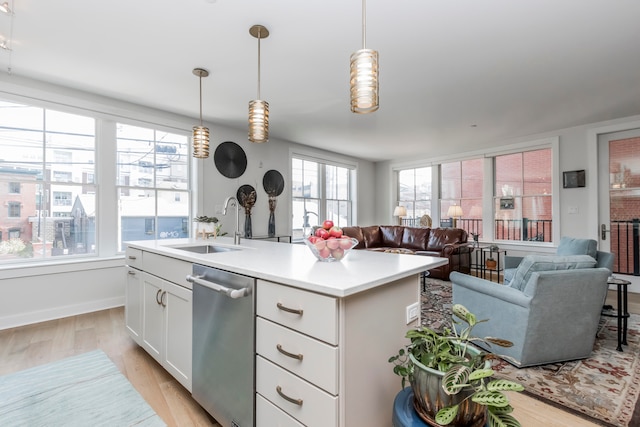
pixel 440 237
pixel 372 236
pixel 391 235
pixel 415 238
pixel 356 233
pixel 572 246
pixel 533 263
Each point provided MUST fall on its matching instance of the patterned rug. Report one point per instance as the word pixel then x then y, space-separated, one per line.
pixel 83 390
pixel 603 388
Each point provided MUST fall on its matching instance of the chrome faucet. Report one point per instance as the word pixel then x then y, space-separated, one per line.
pixel 234 202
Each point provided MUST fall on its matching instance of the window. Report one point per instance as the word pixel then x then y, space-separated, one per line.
pixel 14 210
pixel 14 188
pixel 523 196
pixel 414 193
pixel 45 154
pixel 152 181
pixel 62 198
pixel 461 185
pixel 320 191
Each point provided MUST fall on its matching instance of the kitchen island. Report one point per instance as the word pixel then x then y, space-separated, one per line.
pixel 323 331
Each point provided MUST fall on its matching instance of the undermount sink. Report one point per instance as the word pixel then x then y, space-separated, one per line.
pixel 206 249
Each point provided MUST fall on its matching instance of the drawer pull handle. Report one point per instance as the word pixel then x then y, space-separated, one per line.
pixel 132 273
pixel 286 353
pixel 132 257
pixel 287 398
pixel 158 296
pixel 290 310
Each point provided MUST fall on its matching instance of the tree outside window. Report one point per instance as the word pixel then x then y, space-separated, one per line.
pixel 319 191
pixel 414 193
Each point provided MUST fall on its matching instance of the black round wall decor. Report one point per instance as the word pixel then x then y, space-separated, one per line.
pixel 273 182
pixel 230 159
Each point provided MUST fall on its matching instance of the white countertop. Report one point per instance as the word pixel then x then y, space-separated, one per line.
pixel 295 265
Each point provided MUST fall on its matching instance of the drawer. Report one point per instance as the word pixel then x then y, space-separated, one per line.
pixel 318 361
pixel 133 258
pixel 316 408
pixel 269 415
pixel 171 269
pixel 307 312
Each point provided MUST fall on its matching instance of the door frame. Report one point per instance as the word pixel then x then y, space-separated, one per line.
pixel 593 220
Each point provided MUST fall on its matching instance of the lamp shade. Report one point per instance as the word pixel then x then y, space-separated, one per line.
pixel 400 211
pixel 454 211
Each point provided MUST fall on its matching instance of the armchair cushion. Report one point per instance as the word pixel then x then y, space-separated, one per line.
pixel 572 246
pixel 534 263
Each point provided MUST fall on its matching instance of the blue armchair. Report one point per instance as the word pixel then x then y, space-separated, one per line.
pixel 550 312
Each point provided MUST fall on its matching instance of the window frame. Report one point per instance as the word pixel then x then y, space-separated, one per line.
pixel 322 200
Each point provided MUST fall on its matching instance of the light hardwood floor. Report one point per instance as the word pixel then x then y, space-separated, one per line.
pixel 32 345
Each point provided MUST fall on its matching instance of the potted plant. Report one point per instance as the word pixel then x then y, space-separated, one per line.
pixel 491 262
pixel 451 378
pixel 208 225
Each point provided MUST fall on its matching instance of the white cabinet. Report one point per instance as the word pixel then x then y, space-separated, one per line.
pixel 158 310
pixel 322 360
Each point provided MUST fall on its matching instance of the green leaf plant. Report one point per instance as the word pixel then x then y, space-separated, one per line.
pixel 447 352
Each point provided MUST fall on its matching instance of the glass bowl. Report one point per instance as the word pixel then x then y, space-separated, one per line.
pixel 332 249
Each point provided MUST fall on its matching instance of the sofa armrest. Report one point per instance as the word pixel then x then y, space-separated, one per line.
pixel 456 248
pixel 486 290
pixel 512 261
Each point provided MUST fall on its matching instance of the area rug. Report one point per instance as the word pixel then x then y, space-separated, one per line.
pixel 83 390
pixel 603 388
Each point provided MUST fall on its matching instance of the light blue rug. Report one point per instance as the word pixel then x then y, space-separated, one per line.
pixel 83 390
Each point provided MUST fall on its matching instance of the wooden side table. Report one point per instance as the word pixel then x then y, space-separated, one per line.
pixel 622 312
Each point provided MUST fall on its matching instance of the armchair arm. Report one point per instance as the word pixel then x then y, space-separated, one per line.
pixel 512 261
pixel 478 288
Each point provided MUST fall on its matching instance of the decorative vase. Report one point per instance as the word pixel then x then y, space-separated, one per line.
pixel 272 216
pixel 429 398
pixel 248 233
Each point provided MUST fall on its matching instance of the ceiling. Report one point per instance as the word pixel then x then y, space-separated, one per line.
pixel 454 75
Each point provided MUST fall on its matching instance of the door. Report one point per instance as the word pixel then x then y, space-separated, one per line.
pixel 619 197
pixel 178 338
pixel 153 316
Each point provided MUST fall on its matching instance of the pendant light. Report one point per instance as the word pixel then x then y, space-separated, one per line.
pixel 258 109
pixel 364 74
pixel 200 133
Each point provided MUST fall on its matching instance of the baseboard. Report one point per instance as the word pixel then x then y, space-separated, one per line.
pixel 59 312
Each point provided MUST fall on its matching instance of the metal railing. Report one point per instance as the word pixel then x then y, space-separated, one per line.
pixel 625 245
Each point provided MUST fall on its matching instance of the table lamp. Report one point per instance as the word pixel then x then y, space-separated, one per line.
pixel 400 211
pixel 454 213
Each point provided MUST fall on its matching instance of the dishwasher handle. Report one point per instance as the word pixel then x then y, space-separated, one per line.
pixel 231 293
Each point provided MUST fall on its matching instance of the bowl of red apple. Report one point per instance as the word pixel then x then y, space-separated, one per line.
pixel 329 244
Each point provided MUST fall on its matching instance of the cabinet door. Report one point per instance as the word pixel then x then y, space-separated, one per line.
pixel 153 316
pixel 133 304
pixel 178 334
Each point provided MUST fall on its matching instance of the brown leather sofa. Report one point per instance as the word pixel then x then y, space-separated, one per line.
pixel 450 243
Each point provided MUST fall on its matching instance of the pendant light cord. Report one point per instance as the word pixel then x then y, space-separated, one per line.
pixel 259 37
pixel 364 24
pixel 201 99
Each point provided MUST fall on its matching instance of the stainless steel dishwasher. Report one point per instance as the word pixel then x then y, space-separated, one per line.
pixel 224 345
